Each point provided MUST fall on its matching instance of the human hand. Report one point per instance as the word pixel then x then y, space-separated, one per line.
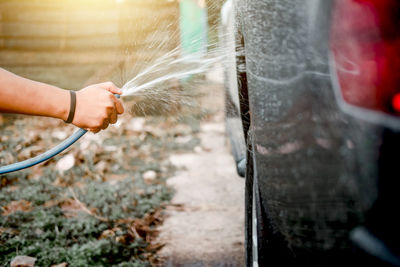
pixel 97 107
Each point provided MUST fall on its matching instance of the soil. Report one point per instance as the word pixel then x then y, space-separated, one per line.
pixel 205 223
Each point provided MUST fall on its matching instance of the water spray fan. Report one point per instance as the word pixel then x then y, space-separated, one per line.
pixel 46 155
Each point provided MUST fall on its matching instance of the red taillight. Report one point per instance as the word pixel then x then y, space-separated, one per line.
pixel 365 43
pixel 396 103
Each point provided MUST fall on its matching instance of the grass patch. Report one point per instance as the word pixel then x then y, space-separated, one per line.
pixel 100 212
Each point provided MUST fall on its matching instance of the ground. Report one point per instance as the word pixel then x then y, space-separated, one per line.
pixel 205 223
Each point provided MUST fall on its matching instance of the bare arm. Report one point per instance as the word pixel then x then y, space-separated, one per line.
pixel 96 106
pixel 20 95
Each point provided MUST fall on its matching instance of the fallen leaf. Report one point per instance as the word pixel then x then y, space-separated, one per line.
pixel 116 177
pixel 65 163
pixel 17 205
pixel 60 135
pixel 198 149
pixel 101 166
pixel 52 203
pixel 7 231
pixel 13 188
pixel 149 176
pixel 23 261
pixel 155 246
pixel 120 239
pixel 106 234
pixel 136 124
pixel 110 148
pixel 183 139
pixel 70 208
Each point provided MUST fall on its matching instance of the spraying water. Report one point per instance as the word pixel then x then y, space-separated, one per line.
pixel 168 67
pixel 159 86
pixel 171 79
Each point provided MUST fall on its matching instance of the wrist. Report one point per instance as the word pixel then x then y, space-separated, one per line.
pixel 72 107
pixel 62 104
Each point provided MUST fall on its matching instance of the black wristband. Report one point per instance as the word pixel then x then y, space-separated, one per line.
pixel 72 107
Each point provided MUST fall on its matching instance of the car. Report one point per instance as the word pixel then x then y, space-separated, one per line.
pixel 313 114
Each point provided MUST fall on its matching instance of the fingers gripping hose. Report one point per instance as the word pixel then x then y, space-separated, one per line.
pixel 46 155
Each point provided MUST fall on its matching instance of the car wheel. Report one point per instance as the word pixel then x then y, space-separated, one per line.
pixel 249 215
pixel 264 245
pixel 254 225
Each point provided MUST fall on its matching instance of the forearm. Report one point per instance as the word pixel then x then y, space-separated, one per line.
pixel 20 95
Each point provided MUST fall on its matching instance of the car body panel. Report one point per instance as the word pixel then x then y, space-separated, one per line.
pixel 232 102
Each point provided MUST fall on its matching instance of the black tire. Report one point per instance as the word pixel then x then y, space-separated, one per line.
pixel 248 213
pixel 271 249
pixel 264 246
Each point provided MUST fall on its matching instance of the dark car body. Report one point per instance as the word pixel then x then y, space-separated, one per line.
pixel 322 183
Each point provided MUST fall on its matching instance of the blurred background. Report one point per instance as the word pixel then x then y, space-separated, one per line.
pixel 101 201
pixel 74 43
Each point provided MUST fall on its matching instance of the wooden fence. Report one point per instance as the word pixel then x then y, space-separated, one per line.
pixel 70 43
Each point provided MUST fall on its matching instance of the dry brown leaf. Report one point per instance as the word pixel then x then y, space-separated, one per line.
pixel 70 208
pixel 121 239
pixel 7 231
pixel 12 188
pixel 107 233
pixel 155 246
pixel 52 203
pixel 176 207
pixel 79 185
pixel 116 177
pixel 17 205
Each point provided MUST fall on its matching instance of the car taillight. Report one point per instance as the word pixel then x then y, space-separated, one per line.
pixel 365 44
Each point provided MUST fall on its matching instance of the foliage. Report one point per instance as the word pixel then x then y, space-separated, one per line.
pixel 100 212
pixel 47 233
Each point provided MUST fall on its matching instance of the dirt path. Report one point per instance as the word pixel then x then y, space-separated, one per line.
pixel 206 227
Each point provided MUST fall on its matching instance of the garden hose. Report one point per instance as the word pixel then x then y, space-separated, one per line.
pixel 46 155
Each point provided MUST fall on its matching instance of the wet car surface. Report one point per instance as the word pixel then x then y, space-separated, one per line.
pixel 316 98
